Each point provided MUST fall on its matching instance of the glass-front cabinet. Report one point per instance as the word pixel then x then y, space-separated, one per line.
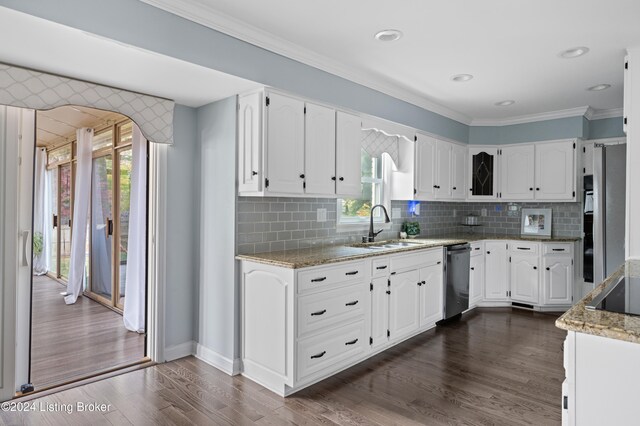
pixel 483 173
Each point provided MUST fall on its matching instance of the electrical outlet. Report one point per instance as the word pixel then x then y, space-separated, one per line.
pixel 483 212
pixel 455 213
pixel 396 213
pixel 416 212
pixel 321 215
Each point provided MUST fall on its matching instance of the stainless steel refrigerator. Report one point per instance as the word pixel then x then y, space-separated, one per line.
pixel 609 204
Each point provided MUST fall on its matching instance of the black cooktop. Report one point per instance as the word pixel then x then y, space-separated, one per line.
pixel 622 296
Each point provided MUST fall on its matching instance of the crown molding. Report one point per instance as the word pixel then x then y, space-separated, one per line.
pixel 204 14
pixel 599 114
pixel 532 118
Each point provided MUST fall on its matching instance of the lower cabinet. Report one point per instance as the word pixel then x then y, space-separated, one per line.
pixel 496 284
pixel 404 304
pixel 557 279
pixel 431 295
pixel 379 312
pixel 525 278
pixel 476 280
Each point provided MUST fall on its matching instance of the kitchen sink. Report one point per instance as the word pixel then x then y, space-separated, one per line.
pixel 388 246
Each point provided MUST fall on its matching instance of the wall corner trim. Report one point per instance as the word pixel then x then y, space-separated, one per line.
pixel 179 351
pixel 213 358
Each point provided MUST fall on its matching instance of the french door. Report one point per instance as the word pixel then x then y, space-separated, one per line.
pixel 59 217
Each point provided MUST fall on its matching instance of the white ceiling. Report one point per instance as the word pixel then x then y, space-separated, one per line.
pixel 60 124
pixel 510 46
pixel 55 48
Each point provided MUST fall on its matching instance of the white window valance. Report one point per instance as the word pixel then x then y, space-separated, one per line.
pixel 25 88
pixel 375 142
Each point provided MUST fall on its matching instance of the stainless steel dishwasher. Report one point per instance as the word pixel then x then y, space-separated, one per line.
pixel 456 281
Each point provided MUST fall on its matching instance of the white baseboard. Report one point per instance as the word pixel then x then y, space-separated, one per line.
pixel 213 358
pixel 179 351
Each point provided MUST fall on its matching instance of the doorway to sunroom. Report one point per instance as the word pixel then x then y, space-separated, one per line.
pixel 89 234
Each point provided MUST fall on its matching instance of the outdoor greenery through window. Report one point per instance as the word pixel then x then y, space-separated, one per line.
pixel 356 210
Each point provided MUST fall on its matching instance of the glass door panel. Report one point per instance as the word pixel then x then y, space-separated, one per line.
pixel 64 222
pixel 125 165
pixel 52 220
pixel 102 227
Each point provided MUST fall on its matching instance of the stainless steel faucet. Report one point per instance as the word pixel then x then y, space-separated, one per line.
pixel 372 235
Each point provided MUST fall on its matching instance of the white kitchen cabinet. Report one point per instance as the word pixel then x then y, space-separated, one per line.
pixel 379 312
pixel 285 148
pixel 348 154
pixel 482 172
pixel 476 279
pixel 425 167
pixel 496 283
pixel 458 172
pixel 525 278
pixel 431 294
pixel 517 172
pixel 626 93
pixel 319 150
pixel 557 279
pixel 250 142
pixel 404 304
pixel 443 181
pixel 555 172
pixel 587 158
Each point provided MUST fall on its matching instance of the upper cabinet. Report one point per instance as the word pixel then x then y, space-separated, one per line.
pixel 555 173
pixel 517 172
pixel 288 146
pixel 439 169
pixel 483 173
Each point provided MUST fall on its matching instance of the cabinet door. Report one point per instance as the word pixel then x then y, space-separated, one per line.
pixel 476 280
pixel 285 144
pixel 379 312
pixel 496 283
pixel 431 295
pixel 348 153
pixel 443 170
pixel 626 93
pixel 249 143
pixel 320 150
pixel 587 158
pixel 483 173
pixel 404 304
pixel 555 175
pixel 458 168
pixel 425 168
pixel 525 280
pixel 557 280
pixel 517 172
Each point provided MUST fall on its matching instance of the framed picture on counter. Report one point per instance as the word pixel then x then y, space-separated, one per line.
pixel 536 223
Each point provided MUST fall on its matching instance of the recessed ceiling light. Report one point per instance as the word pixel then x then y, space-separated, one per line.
pixel 388 35
pixel 461 77
pixel 599 87
pixel 505 103
pixel 574 52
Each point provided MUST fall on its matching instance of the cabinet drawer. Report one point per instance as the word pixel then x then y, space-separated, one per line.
pixel 319 310
pixel 476 248
pixel 524 247
pixel 328 351
pixel 325 277
pixel 415 260
pixel 557 248
pixel 379 267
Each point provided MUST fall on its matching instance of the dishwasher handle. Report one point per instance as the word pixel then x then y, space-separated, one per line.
pixel 458 251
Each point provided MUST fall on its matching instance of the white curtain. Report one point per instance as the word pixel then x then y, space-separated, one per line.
pixel 80 213
pixel 134 300
pixel 40 201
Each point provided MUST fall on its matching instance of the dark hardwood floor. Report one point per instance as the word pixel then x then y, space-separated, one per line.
pixel 74 341
pixel 495 367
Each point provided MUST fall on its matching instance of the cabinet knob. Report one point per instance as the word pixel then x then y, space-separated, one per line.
pixel 473 269
pixel 530 189
pixel 537 189
pixel 253 173
pixel 535 267
pixel 454 188
pixel 302 176
pixel 341 179
pixel 488 252
pixel 548 269
pixel 333 178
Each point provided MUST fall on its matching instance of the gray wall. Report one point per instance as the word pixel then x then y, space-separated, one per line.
pixel 217 299
pixel 182 251
pixel 606 128
pixel 276 223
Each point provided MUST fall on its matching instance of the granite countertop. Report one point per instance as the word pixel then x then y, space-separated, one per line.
pixel 303 258
pixel 603 323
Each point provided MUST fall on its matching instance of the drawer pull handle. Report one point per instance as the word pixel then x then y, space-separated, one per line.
pixel 477 248
pixel 314 314
pixel 524 248
pixel 351 273
pixel 317 280
pixel 355 302
pixel 353 342
pixel 381 267
pixel 557 249
pixel 439 262
pixel 320 355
